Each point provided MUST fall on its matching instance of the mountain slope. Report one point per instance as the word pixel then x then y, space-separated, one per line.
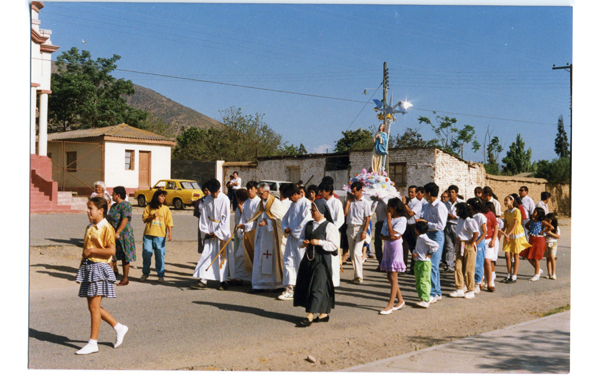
pixel 179 116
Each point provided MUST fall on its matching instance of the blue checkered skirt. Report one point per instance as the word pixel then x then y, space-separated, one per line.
pixel 96 279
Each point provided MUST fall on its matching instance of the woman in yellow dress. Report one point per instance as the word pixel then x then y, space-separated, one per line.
pixel 515 240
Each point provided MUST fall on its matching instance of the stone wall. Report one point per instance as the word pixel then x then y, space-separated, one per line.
pixel 450 170
pixel 420 164
pixel 199 171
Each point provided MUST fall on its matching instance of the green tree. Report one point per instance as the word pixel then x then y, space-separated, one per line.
pixel 561 143
pixel 411 138
pixel 359 139
pixel 557 171
pixel 156 125
pixel 517 159
pixel 452 139
pixel 244 137
pixel 494 148
pixel 86 95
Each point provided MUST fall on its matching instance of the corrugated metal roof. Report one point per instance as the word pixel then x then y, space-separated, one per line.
pixel 117 131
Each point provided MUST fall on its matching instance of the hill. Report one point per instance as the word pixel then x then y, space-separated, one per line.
pixel 171 112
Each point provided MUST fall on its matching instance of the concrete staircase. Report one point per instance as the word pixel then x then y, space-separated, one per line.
pixel 44 195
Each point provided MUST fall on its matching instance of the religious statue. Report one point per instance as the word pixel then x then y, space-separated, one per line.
pixel 379 150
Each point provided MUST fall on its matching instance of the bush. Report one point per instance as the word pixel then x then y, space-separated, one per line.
pixel 557 171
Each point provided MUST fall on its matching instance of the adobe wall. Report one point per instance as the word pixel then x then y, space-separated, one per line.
pixel 505 185
pixel 560 199
pixel 450 170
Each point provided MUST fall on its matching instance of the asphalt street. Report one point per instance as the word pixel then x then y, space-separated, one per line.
pixel 175 327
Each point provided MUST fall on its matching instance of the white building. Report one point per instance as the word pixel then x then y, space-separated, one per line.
pixel 119 155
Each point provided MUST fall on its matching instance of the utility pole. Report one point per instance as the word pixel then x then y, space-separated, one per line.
pixel 387 122
pixel 569 68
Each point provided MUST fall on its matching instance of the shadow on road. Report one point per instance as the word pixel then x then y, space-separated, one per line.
pixel 556 342
pixel 61 340
pixel 73 241
pixel 68 273
pixel 252 310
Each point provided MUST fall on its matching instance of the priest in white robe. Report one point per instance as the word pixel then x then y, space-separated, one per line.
pixel 269 243
pixel 293 224
pixel 244 250
pixel 214 225
pixel 336 209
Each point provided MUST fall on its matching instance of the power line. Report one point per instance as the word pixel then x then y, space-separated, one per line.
pixel 315 95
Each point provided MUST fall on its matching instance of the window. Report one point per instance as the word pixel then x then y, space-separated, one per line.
pixel 72 161
pixel 398 174
pixel 129 160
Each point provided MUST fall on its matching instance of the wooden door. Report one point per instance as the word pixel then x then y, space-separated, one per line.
pixel 144 168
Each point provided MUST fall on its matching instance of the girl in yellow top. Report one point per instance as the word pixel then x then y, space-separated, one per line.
pixel 95 273
pixel 514 239
pixel 159 225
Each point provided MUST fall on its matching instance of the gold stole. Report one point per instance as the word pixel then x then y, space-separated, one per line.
pixel 277 252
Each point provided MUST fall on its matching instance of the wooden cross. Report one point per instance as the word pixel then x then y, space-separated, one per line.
pixel 267 254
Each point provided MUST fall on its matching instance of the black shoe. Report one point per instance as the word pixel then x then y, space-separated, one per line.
pixel 511 281
pixel 323 320
pixel 305 322
pixel 223 286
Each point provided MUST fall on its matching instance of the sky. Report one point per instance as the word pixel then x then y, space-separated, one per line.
pixel 306 67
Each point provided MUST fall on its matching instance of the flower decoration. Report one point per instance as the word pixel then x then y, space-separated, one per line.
pixel 375 185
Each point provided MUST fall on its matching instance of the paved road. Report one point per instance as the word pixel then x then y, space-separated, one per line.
pixel 174 327
pixel 537 346
pixel 68 229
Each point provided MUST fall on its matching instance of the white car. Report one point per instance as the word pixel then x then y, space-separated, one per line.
pixel 274 185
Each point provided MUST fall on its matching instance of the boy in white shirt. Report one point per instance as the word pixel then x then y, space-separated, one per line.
pixel 422 263
pixel 358 216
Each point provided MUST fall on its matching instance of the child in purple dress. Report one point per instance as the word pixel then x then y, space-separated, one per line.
pixel 392 261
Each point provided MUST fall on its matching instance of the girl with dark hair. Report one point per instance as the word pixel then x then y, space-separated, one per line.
pixel 477 207
pixel 95 275
pixel 552 237
pixel 519 204
pixel 119 216
pixel 491 247
pixel 467 232
pixel 159 225
pixel 392 260
pixel 314 284
pixel 514 239
pixel 537 228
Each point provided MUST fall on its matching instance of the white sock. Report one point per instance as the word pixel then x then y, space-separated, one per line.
pixel 203 281
pixel 509 276
pixel 514 277
pixel 93 342
pixel 493 276
pixel 121 330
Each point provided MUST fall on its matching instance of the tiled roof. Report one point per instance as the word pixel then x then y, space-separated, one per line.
pixel 117 131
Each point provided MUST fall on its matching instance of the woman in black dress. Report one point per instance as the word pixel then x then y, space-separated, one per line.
pixel 314 285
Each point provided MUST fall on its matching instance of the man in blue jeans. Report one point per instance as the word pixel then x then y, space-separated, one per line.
pixel 435 215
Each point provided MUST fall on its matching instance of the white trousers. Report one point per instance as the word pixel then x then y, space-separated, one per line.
pixel 355 246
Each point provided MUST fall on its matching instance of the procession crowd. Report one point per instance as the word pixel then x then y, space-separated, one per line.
pixel 300 243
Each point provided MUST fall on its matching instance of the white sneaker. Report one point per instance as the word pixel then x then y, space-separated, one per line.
pixel 477 289
pixel 88 349
pixel 286 296
pixel 535 278
pixel 121 335
pixel 438 298
pixel 423 304
pixel 357 281
pixel 459 293
pixel 432 299
pixel 470 295
pixel 553 277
